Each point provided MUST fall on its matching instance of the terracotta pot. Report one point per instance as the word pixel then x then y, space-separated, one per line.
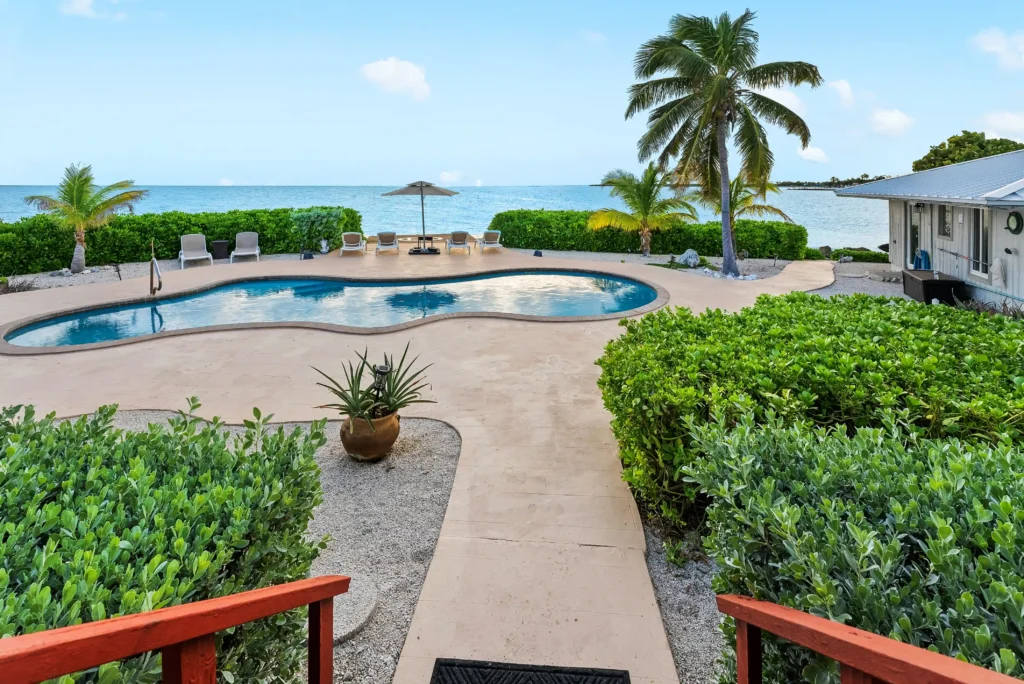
pixel 364 444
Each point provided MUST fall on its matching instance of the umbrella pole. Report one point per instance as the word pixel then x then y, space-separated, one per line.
pixel 423 216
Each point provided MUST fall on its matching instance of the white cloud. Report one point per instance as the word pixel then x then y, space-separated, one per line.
pixel 844 91
pixel 1005 124
pixel 592 36
pixel 891 122
pixel 813 154
pixel 451 176
pixel 395 75
pixel 1008 48
pixel 479 183
pixel 81 8
pixel 120 16
pixel 786 97
pixel 226 181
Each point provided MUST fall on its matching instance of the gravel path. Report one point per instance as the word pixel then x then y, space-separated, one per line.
pixel 864 278
pixel 383 520
pixel 688 610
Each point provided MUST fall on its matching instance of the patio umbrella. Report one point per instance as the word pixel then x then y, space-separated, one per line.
pixel 422 188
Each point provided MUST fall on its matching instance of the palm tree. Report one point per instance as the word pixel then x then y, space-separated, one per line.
pixel 701 82
pixel 745 199
pixel 644 198
pixel 81 204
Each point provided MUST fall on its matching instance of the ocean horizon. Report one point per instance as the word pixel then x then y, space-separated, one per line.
pixel 829 220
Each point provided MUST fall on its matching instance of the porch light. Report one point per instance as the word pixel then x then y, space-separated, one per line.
pixel 918 208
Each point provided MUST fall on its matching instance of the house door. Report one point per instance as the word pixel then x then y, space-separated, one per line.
pixel 913 233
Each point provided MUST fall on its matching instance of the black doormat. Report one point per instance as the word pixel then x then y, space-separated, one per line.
pixel 448 671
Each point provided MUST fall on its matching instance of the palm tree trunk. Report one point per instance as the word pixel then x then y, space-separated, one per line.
pixel 729 266
pixel 645 241
pixel 78 260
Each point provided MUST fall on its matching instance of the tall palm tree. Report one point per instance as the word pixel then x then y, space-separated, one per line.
pixel 701 82
pixel 746 198
pixel 650 208
pixel 82 204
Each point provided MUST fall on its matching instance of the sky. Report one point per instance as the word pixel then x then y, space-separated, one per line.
pixel 334 92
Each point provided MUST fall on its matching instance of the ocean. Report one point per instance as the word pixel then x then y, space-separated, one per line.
pixel 829 220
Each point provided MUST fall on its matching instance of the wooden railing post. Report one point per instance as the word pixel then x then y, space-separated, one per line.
pixel 748 653
pixel 849 675
pixel 321 642
pixel 191 662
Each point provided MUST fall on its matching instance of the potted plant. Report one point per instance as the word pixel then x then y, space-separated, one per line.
pixel 371 421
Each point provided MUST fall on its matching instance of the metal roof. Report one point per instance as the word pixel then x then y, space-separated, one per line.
pixel 996 181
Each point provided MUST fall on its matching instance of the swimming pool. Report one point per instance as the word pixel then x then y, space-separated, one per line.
pixel 349 303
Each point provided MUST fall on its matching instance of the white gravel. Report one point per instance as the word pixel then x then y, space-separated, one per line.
pixel 853 278
pixel 688 610
pixel 383 520
pixel 113 273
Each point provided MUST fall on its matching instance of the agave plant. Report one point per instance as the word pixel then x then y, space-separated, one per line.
pixel 401 386
pixel 354 400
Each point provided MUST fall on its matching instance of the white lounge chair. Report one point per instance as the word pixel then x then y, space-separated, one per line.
pixel 352 242
pixel 387 242
pixel 492 238
pixel 459 239
pixel 246 244
pixel 193 248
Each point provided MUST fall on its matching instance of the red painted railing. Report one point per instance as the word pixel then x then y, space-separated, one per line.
pixel 183 634
pixel 863 657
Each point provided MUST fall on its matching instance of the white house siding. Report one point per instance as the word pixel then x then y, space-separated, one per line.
pixel 951 256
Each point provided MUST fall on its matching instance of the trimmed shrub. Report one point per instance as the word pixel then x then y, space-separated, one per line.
pixel 841 361
pixel 813 254
pixel 865 255
pixel 319 223
pixel 99 522
pixel 42 243
pixel 911 538
pixel 567 230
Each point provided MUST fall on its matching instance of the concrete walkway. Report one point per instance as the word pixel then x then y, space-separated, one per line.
pixel 540 558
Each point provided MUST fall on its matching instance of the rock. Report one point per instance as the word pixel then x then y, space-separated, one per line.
pixel 86 271
pixel 690 259
pixel 537 252
pixel 826 251
pixel 846 260
pixel 752 276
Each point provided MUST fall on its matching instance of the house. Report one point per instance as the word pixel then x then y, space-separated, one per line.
pixel 967 217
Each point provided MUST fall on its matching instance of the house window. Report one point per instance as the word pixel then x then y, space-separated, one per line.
pixel 944 222
pixel 980 239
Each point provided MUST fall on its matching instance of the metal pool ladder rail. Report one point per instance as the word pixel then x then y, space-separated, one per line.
pixel 154 268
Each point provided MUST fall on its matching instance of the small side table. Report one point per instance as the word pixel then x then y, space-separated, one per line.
pixel 219 249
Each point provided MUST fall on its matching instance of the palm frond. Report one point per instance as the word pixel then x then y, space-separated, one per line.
pixel 612 218
pixel 764 210
pixel 752 142
pixel 779 115
pixel 781 74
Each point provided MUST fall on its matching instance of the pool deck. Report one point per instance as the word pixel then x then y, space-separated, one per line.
pixel 541 553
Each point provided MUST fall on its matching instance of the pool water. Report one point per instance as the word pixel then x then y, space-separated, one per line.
pixel 346 302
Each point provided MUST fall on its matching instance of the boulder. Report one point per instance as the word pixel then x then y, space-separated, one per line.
pixel 846 259
pixel 690 259
pixel 826 251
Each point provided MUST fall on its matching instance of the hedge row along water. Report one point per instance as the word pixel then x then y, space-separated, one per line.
pixel 567 230
pixel 41 243
pixel 100 523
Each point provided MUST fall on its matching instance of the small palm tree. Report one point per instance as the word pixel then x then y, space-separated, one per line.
pixel 745 199
pixel 81 204
pixel 650 208
pixel 703 87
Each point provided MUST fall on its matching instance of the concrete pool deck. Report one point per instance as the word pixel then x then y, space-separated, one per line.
pixel 541 553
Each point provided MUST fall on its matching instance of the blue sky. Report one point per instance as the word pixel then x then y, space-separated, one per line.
pixel 306 92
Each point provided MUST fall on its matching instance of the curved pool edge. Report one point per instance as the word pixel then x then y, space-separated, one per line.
pixel 8 349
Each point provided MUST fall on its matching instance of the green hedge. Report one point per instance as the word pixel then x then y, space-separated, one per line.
pixel 867 256
pixel 813 254
pixel 41 243
pixel 567 230
pixel 915 539
pixel 99 522
pixel 840 361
